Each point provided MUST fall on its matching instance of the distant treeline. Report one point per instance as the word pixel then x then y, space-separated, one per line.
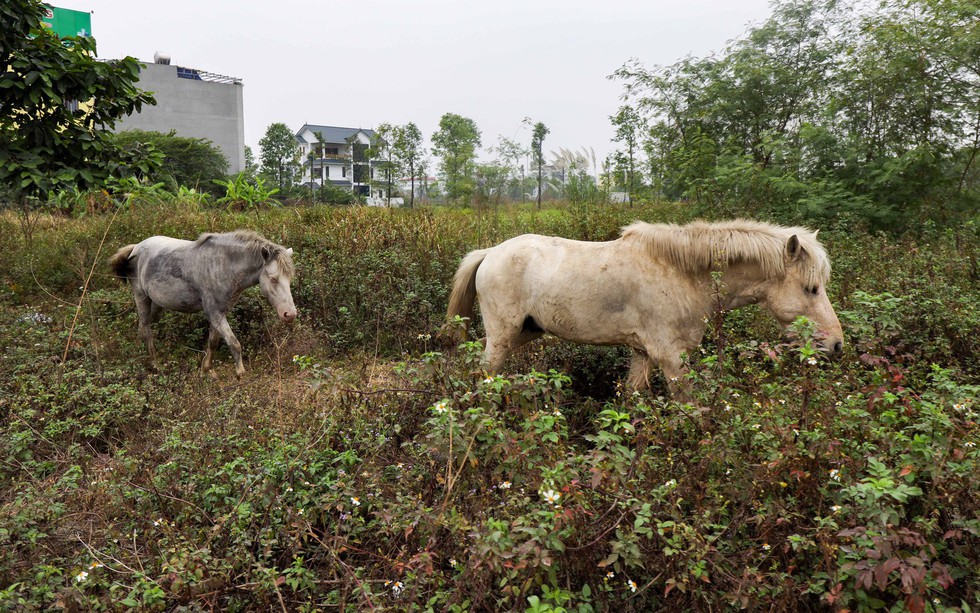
pixel 829 112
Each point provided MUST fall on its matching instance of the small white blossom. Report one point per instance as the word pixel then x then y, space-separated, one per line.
pixel 632 585
pixel 610 575
pixel 835 474
pixel 505 485
pixel 671 483
pixel 488 380
pixel 811 361
pixel 354 500
pixel 835 508
pixel 551 496
pixel 82 576
pixel 766 547
pixel 441 407
pixel 969 444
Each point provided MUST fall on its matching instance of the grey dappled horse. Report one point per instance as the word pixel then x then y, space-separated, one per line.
pixel 208 275
pixel 652 289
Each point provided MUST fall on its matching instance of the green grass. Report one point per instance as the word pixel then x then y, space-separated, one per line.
pixel 362 463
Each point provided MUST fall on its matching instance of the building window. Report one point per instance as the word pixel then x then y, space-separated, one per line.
pixel 343 171
pixel 326 172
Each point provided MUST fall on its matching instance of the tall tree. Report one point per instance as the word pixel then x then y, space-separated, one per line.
pixel 409 151
pixel 629 128
pixel 383 150
pixel 455 142
pixel 280 156
pixel 47 140
pixel 512 155
pixel 537 142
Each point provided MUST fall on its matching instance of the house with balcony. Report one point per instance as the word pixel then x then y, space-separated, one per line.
pixel 337 156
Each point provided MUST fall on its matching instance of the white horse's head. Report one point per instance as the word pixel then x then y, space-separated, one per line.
pixel 802 291
pixel 274 282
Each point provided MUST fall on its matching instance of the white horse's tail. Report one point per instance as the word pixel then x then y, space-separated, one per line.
pixel 464 290
pixel 120 263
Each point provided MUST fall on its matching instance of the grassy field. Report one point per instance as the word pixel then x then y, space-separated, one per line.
pixel 364 464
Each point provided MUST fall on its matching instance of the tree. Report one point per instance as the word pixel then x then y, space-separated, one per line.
pixel 280 156
pixel 537 141
pixel 251 168
pixel 456 142
pixel 409 151
pixel 55 113
pixel 383 150
pixel 191 162
pixel 629 126
pixel 512 154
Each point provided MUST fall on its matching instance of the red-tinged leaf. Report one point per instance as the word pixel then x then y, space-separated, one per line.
pixel 670 586
pixel 916 604
pixel 280 580
pixel 905 470
pixel 952 534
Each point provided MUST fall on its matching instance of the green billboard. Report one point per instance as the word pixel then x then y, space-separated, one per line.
pixel 66 22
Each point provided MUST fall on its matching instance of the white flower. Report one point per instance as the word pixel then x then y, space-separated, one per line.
pixel 556 413
pixel 766 547
pixel 969 444
pixel 505 485
pixel 82 576
pixel 632 585
pixel 299 511
pixel 811 361
pixel 397 587
pixel 453 562
pixel 835 474
pixel 354 500
pixel 95 564
pixel 289 489
pixel 551 496
pixel 610 575
pixel 671 483
pixel 488 380
pixel 958 406
pixel 835 508
pixel 441 407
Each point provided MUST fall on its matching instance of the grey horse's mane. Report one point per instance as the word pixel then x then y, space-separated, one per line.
pixel 702 246
pixel 253 244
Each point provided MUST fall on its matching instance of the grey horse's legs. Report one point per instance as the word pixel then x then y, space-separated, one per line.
pixel 214 337
pixel 219 324
pixel 146 310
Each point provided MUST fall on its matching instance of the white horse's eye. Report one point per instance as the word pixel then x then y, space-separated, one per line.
pixel 813 290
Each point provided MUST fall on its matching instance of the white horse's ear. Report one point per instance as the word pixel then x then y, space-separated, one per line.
pixel 815 232
pixel 793 248
pixel 289 251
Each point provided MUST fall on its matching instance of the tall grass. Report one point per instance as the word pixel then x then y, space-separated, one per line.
pixel 361 464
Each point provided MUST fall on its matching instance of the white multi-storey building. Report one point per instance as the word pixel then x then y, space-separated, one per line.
pixel 337 156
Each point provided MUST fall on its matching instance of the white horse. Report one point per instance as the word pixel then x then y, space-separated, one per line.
pixel 208 275
pixel 652 289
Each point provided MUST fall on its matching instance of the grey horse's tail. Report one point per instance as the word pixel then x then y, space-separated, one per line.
pixel 464 291
pixel 121 265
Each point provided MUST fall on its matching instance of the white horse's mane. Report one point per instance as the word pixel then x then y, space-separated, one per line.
pixel 253 243
pixel 702 246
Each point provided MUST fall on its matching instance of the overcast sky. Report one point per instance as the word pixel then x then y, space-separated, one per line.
pixel 363 62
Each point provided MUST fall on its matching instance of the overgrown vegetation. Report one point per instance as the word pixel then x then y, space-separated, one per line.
pixel 832 112
pixel 363 464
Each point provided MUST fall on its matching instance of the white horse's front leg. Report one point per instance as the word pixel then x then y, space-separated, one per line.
pixel 639 377
pixel 219 323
